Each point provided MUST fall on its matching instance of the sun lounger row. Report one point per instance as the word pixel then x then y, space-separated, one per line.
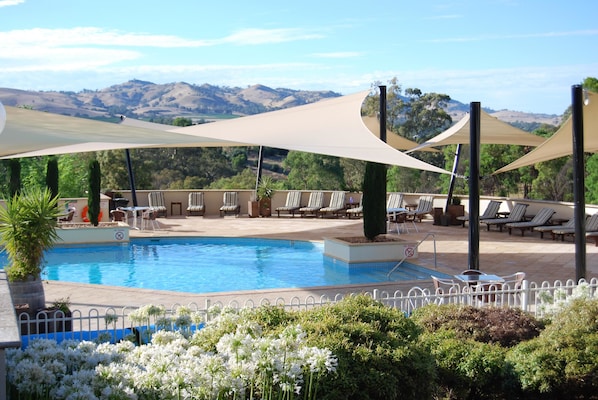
pixel 315 204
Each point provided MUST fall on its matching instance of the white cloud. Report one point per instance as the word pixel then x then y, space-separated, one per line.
pixel 477 38
pixel 266 36
pixel 338 54
pixel 8 3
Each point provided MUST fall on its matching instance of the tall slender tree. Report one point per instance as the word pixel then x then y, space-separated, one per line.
pixel 93 199
pixel 52 176
pixel 14 185
pixel 374 200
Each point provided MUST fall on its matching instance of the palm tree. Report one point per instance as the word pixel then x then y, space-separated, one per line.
pixel 27 230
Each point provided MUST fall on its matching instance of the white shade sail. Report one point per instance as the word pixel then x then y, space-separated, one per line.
pixel 561 143
pixel 492 131
pixel 331 127
pixel 394 140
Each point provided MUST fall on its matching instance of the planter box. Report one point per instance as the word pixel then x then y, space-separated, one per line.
pixel 455 211
pixel 370 252
pixel 253 209
pixel 109 232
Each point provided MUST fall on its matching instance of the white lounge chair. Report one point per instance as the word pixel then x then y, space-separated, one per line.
pixel 196 204
pixel 315 202
pixel 337 204
pixel 156 203
pixel 230 204
pixel 424 206
pixel 292 204
pixel 355 211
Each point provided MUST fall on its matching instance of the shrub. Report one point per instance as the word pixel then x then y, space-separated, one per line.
pixel 376 347
pixel 466 368
pixel 562 363
pixel 504 326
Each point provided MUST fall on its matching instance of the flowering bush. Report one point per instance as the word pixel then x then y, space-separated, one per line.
pixel 243 365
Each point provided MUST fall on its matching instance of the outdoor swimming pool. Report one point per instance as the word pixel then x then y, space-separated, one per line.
pixel 202 265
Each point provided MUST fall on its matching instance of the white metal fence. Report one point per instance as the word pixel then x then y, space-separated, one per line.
pixel 530 297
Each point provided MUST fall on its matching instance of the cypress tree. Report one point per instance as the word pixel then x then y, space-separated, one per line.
pixel 52 176
pixel 374 200
pixel 14 185
pixel 93 197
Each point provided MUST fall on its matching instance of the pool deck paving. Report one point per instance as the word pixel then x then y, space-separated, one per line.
pixel 499 253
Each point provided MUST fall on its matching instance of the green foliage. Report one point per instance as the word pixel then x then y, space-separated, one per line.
pixel 244 180
pixel 504 326
pixel 52 176
pixel 554 180
pixel 592 179
pixel 466 369
pixel 93 199
pixel 266 188
pixel 14 186
pixel 310 171
pixel 374 200
pixel 376 348
pixel 27 230
pixel 562 362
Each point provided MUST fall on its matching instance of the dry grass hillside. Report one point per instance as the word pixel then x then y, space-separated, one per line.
pixel 143 99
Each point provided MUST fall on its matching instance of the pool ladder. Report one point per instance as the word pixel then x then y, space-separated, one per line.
pixel 416 246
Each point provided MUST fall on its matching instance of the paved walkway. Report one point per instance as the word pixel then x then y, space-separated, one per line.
pixel 541 259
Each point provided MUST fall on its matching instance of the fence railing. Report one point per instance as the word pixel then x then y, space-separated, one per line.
pixel 117 324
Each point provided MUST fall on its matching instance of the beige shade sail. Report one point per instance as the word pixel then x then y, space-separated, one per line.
pixel 331 127
pixel 561 143
pixel 394 140
pixel 492 131
pixel 31 133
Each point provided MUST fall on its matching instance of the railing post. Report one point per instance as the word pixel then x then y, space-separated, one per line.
pixel 525 292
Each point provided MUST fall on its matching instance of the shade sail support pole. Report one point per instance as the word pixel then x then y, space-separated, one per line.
pixel 449 196
pixel 474 185
pixel 131 177
pixel 579 200
pixel 260 161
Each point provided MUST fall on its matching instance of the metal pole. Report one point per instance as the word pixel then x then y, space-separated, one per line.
pixel 449 196
pixel 260 160
pixel 579 200
pixel 474 185
pixel 131 177
pixel 383 113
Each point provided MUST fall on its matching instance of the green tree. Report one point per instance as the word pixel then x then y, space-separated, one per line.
pixel 27 230
pixel 309 171
pixel 592 179
pixel 14 185
pixel 93 199
pixel 374 200
pixel 73 174
pixel 52 176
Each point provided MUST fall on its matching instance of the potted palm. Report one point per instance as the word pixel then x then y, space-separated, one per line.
pixel 27 230
pixel 265 191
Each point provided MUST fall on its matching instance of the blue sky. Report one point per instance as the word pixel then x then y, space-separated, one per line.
pixel 521 55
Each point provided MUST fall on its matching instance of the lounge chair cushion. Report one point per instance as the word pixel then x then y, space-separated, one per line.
pixel 292 204
pixel 156 203
pixel 541 218
pixel 516 215
pixel 196 203
pixel 337 203
pixel 316 201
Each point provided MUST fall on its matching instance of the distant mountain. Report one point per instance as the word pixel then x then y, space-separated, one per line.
pixel 141 99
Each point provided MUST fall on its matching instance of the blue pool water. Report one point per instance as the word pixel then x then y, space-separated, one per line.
pixel 201 265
